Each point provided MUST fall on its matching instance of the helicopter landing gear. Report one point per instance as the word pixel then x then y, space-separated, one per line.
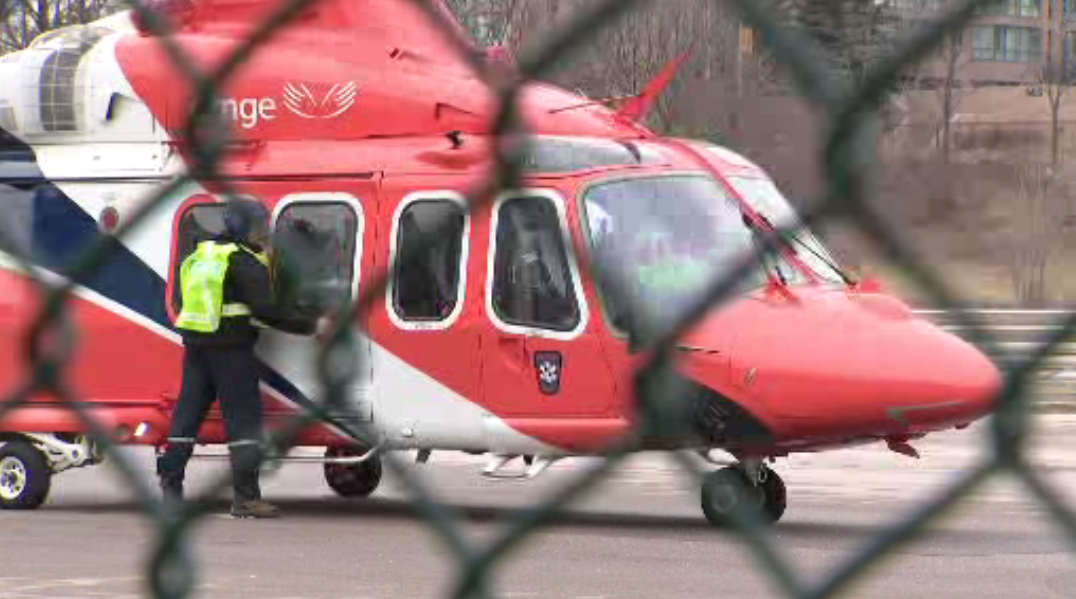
pixel 748 486
pixel 351 473
pixel 25 476
pixel 28 462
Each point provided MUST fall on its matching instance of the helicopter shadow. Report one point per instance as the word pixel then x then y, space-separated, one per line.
pixel 405 510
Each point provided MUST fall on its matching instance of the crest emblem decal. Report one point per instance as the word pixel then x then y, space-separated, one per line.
pixel 548 366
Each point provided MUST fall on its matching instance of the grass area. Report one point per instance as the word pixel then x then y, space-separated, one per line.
pixel 980 285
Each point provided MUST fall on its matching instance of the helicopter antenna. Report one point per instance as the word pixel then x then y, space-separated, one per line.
pixel 640 106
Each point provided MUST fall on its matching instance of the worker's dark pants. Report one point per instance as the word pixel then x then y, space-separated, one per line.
pixel 231 374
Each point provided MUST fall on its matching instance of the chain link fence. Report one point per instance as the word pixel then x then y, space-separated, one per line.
pixel 850 162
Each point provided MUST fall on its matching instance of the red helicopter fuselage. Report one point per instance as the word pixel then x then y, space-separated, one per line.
pixel 358 125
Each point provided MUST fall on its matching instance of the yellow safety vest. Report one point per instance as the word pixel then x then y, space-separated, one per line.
pixel 201 279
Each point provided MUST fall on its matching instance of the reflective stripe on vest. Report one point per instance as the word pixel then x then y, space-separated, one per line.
pixel 235 310
pixel 201 279
pixel 259 256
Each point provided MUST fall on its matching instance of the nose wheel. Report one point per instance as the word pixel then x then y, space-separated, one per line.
pixel 757 489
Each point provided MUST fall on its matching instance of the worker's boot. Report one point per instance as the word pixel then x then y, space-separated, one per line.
pixel 254 508
pixel 247 496
pixel 171 470
pixel 171 491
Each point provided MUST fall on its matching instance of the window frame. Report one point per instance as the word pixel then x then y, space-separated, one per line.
pixel 329 197
pixel 1018 9
pixel 1025 54
pixel 192 202
pixel 560 206
pixel 1068 43
pixel 464 259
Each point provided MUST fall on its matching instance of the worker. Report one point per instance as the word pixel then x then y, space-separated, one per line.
pixel 225 287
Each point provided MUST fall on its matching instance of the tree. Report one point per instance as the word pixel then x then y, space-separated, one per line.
pixel 620 59
pixel 954 57
pixel 629 55
pixel 936 86
pixel 1055 75
pixel 1037 230
pixel 851 34
pixel 852 37
pixel 942 72
pixel 503 22
pixel 21 21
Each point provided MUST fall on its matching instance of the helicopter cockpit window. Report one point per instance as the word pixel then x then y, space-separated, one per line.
pixel 764 197
pixel 314 256
pixel 532 281
pixel 426 287
pixel 200 222
pixel 662 241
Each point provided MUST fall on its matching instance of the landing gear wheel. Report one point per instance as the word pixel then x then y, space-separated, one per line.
pixel 776 496
pixel 352 480
pixel 25 476
pixel 726 491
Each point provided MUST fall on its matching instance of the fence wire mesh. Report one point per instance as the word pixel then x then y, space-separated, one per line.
pixel 849 161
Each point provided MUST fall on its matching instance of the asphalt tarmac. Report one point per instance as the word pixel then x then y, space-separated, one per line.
pixel 638 535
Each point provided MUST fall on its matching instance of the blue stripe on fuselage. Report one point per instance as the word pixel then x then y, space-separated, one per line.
pixel 41 223
pixel 49 229
pixel 62 234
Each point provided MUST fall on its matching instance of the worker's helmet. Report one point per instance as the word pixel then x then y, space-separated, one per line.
pixel 243 216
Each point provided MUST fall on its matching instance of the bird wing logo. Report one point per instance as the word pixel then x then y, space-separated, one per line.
pixel 301 101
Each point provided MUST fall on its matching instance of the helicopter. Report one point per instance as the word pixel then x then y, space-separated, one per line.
pixel 361 128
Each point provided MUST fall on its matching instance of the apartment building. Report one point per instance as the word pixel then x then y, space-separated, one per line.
pixel 1008 43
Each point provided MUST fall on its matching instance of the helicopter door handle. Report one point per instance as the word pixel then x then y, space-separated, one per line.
pixel 514 351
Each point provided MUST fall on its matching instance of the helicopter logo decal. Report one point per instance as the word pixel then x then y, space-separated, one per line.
pixel 301 101
pixel 548 366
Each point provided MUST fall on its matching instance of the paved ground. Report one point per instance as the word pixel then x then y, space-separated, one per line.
pixel 639 535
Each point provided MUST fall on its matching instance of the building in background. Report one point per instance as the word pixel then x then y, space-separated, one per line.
pixel 1008 43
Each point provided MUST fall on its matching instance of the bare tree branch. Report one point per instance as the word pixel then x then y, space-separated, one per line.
pixel 1056 76
pixel 22 21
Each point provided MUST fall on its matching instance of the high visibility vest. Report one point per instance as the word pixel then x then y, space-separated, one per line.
pixel 201 279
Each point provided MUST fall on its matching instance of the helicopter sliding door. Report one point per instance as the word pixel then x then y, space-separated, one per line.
pixel 318 243
pixel 317 260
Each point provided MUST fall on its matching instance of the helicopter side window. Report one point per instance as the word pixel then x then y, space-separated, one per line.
pixel 426 273
pixel 314 256
pixel 532 281
pixel 200 222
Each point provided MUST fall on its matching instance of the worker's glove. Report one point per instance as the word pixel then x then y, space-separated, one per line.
pixel 324 328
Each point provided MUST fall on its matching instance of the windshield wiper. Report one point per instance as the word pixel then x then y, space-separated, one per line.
pixel 764 256
pixel 789 239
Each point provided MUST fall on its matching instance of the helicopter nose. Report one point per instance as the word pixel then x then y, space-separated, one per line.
pixel 864 366
pixel 944 381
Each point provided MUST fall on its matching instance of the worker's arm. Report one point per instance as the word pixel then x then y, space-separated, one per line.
pixel 251 283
